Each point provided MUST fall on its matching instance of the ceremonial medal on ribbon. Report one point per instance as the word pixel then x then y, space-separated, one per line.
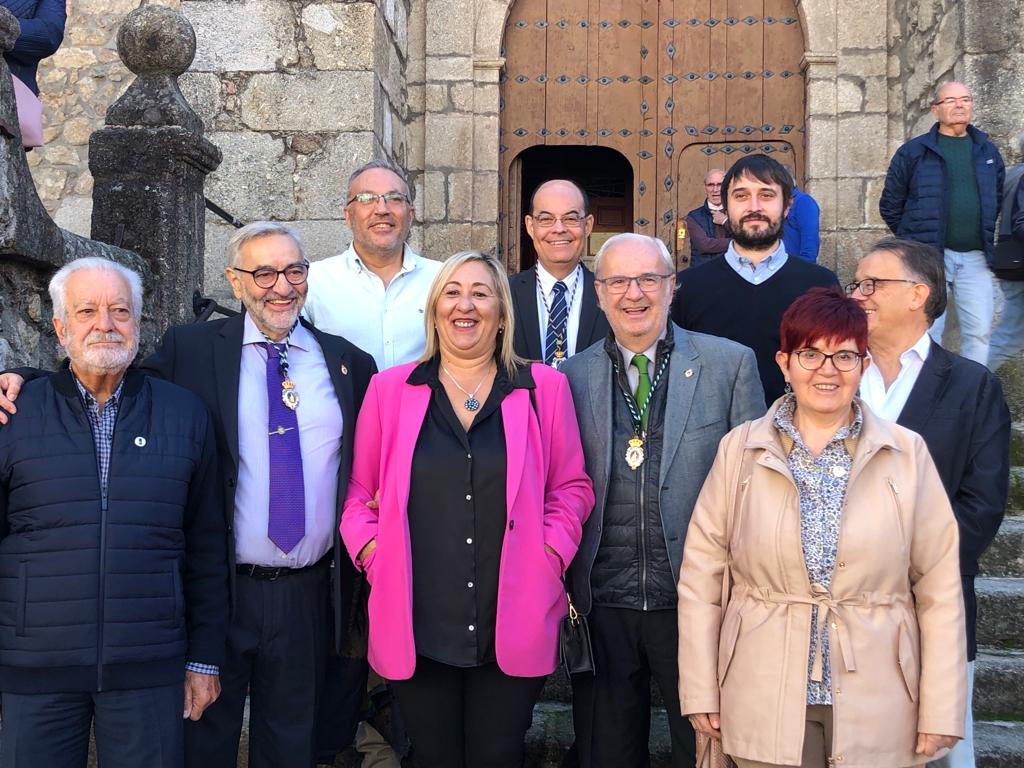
pixel 289 396
pixel 635 453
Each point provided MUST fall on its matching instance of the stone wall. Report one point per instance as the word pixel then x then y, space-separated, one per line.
pixel 295 94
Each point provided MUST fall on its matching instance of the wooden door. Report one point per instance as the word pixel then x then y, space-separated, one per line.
pixel 678 87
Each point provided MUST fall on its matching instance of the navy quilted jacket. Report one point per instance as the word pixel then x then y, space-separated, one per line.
pixel 914 202
pixel 93 596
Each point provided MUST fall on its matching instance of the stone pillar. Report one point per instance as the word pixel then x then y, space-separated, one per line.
pixel 150 163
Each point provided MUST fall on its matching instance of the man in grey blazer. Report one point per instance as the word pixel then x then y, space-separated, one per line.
pixel 652 402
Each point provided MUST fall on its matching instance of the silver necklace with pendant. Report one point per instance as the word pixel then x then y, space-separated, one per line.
pixel 289 395
pixel 471 403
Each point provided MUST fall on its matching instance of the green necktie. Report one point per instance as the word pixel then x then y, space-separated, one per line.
pixel 643 388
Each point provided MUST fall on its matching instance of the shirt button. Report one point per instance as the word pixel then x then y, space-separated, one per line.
pixel 833 625
pixel 470 541
pixel 469 584
pixel 472 628
pixel 469 497
pixel 842 565
pixel 469 455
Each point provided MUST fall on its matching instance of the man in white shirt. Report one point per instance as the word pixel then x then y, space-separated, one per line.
pixel 374 293
pixel 955 404
pixel 555 303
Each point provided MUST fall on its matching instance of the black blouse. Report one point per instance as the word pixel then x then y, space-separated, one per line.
pixel 457 515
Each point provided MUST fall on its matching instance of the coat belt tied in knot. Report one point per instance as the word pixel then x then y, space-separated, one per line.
pixel 825 606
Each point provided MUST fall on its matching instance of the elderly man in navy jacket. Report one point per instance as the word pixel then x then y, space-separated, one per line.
pixel 113 546
pixel 944 188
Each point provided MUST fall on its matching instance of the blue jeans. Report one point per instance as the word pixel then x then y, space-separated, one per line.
pixel 969 286
pixel 1008 336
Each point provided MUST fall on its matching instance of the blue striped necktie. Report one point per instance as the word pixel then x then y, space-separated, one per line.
pixel 558 324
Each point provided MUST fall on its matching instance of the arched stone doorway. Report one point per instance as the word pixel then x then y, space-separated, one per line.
pixel 677 87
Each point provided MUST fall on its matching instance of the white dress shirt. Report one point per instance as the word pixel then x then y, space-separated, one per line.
pixel 573 300
pixel 888 404
pixel 320 435
pixel 348 299
pixel 632 374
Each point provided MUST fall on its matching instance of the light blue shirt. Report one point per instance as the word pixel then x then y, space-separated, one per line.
pixel 756 275
pixel 320 436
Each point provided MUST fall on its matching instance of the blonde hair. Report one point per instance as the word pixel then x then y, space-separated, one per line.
pixel 503 353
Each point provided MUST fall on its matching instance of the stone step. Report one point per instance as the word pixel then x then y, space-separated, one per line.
pixel 551 734
pixel 1000 608
pixel 1005 556
pixel 999 684
pixel 998 744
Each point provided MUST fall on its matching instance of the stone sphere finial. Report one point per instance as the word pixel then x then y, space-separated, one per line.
pixel 10 29
pixel 156 40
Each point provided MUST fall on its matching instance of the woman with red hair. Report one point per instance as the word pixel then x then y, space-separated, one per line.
pixel 821 620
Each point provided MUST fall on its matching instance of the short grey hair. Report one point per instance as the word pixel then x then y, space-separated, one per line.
pixel 255 231
pixel 58 283
pixel 383 164
pixel 633 237
pixel 923 263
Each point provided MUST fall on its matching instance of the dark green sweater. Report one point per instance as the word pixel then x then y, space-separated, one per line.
pixel 963 221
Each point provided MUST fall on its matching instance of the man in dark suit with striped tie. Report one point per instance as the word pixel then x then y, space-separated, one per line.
pixel 555 302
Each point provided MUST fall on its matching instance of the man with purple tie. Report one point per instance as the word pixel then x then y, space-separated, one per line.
pixel 284 397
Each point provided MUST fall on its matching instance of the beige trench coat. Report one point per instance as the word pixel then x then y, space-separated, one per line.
pixel 895 612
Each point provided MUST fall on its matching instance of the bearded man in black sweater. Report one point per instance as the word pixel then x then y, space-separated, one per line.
pixel 743 295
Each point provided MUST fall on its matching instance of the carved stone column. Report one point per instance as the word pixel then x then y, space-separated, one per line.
pixel 150 163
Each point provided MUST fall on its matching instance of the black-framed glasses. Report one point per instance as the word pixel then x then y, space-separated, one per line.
pixel 371 198
pixel 573 219
pixel 648 282
pixel 844 360
pixel 266 277
pixel 868 285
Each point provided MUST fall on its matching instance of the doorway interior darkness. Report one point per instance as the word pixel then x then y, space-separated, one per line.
pixel 604 173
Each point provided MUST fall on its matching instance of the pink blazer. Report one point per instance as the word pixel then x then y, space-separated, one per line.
pixel 548 498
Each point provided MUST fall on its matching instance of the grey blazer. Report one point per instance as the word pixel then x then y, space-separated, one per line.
pixel 713 386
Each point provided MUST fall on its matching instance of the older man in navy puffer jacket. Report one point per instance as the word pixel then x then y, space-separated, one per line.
pixel 943 188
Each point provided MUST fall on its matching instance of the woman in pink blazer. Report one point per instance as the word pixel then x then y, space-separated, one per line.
pixel 466 505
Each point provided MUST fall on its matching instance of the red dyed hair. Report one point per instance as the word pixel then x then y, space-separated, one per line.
pixel 823 314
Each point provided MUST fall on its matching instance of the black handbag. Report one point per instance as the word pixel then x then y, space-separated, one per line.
pixel 1008 258
pixel 1008 255
pixel 574 648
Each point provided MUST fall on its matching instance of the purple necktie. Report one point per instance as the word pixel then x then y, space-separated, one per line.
pixel 287 523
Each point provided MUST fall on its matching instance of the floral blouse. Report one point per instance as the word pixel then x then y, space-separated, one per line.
pixel 821 486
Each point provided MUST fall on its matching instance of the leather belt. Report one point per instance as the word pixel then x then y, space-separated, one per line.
pixel 269 573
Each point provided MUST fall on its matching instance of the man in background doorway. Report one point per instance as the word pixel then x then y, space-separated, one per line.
pixel 708 223
pixel 554 302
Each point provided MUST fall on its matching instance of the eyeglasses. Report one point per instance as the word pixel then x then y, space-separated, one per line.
pixel 949 101
pixel 812 359
pixel 571 220
pixel 371 198
pixel 265 277
pixel 648 282
pixel 868 285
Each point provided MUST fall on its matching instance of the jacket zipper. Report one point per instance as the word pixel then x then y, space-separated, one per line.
pixel 643 536
pixel 101 592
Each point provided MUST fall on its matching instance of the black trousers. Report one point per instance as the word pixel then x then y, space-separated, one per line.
pixel 612 709
pixel 474 717
pixel 136 728
pixel 277 653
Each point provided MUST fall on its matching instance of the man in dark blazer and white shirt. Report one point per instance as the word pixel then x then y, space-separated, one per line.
pixel 278 636
pixel 653 401
pixel 554 302
pixel 955 404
